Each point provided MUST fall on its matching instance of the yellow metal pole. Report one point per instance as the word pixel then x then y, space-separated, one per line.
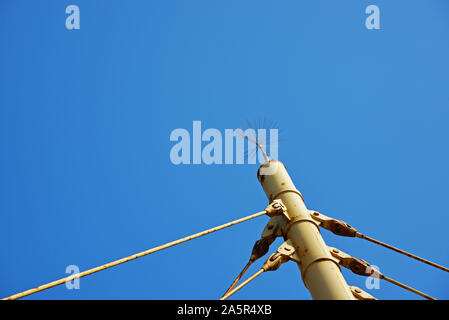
pixel 321 274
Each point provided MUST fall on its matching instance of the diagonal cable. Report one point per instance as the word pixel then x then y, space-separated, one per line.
pixel 244 283
pixel 132 257
pixel 260 248
pixel 422 294
pixel 408 254
pixel 273 263
pixel 341 228
pixel 363 268
pixel 238 278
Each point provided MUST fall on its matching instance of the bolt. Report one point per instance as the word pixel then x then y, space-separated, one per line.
pixel 335 250
pixel 358 290
pixel 316 214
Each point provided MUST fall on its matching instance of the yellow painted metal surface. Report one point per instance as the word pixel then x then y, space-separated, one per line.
pixel 319 270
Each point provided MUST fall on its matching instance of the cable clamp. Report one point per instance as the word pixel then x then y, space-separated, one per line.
pixel 274 262
pixel 276 207
pixel 261 247
pixel 284 253
pixel 335 226
pixel 273 229
pixel 357 266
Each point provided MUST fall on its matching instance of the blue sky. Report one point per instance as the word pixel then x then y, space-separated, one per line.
pixel 86 115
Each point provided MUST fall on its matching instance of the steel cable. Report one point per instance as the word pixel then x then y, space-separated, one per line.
pixel 410 255
pixel 406 287
pixel 238 278
pixel 132 257
pixel 244 283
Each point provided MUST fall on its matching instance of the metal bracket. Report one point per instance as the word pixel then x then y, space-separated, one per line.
pixel 276 207
pixel 284 253
pixel 274 262
pixel 272 230
pixel 357 266
pixel 275 226
pixel 335 226
pixel 261 247
pixel 288 250
pixel 359 294
pixel 277 211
